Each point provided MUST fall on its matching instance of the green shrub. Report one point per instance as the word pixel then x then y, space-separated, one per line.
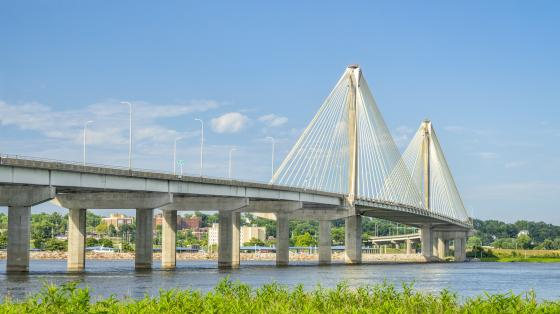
pixel 234 297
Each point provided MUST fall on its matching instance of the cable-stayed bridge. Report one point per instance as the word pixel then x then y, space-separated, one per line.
pixel 344 165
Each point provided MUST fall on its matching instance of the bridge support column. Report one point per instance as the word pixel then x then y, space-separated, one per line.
pixel 435 240
pixel 446 243
pixel 18 238
pixel 77 239
pixel 169 239
pixel 325 242
pixel 228 239
pixel 441 247
pixel 408 247
pixel 426 238
pixel 353 239
pixel 460 243
pixel 144 237
pixel 282 239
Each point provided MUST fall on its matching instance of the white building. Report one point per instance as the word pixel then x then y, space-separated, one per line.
pixel 246 234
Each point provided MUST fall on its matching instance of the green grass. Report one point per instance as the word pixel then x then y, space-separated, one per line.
pixel 232 297
pixel 521 259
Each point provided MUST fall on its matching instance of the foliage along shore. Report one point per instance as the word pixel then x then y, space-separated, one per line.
pixel 234 297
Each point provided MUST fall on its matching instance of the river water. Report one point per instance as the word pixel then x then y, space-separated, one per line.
pixel 120 278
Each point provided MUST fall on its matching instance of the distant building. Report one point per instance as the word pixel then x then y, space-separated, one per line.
pixel 117 220
pixel 246 234
pixel 182 223
pixel 213 234
pixel 192 222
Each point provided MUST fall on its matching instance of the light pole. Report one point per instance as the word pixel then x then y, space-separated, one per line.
pixel 201 145
pixel 85 129
pixel 175 154
pixel 231 150
pixel 272 163
pixel 129 133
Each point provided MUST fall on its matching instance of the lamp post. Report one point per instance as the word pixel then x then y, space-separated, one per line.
pixel 231 150
pixel 85 130
pixel 272 162
pixel 129 133
pixel 201 145
pixel 175 154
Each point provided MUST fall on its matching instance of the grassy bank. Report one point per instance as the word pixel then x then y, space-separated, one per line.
pixel 527 256
pixel 229 297
pixel 521 259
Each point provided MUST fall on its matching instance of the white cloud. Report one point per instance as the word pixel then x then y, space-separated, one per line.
pixel 515 164
pixel 486 155
pixel 403 135
pixel 231 122
pixel 273 120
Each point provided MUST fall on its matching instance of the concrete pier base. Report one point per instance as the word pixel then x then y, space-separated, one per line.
pixel 426 239
pixel 325 242
pixel 144 239
pixel 19 219
pixel 282 240
pixel 353 239
pixel 228 239
pixel 169 240
pixel 435 240
pixel 76 239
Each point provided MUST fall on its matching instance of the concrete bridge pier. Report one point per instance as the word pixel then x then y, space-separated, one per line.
pixel 228 239
pixel 435 241
pixel 426 239
pixel 76 239
pixel 169 240
pixel 460 244
pixel 353 239
pixel 282 239
pixel 144 239
pixel 447 245
pixel 18 238
pixel 441 252
pixel 325 242
pixel 19 200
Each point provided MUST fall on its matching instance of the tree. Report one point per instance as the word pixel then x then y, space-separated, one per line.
pixel 91 242
pixel 111 231
pixel 3 239
pixel 55 245
pixel 106 242
pixel 524 242
pixel 305 240
pixel 337 234
pixel 253 242
pixel 101 228
pixel 474 242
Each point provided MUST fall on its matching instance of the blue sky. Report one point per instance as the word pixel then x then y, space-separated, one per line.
pixel 485 73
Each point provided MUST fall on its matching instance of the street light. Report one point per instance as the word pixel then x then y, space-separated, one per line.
pixel 175 153
pixel 231 150
pixel 129 134
pixel 272 163
pixel 201 145
pixel 85 129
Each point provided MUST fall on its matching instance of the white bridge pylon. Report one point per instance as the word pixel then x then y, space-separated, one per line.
pixel 348 149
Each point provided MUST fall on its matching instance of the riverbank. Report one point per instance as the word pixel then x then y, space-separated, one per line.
pixel 521 259
pixel 520 256
pixel 233 297
pixel 200 256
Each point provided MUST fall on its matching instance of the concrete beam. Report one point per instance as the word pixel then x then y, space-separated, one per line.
pixel 408 247
pixel 272 206
pixel 144 239
pixel 77 239
pixel 353 239
pixel 24 196
pixel 325 242
pixel 282 239
pixel 113 200
pixel 191 203
pixel 19 220
pixel 169 240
